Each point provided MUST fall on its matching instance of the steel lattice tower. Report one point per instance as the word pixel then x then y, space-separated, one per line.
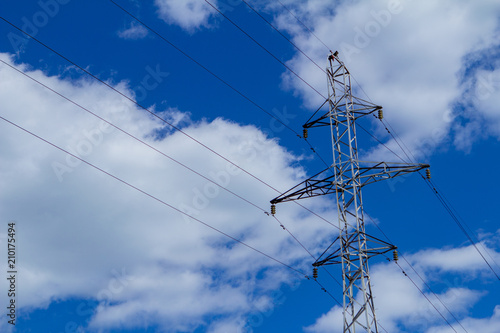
pixel 352 248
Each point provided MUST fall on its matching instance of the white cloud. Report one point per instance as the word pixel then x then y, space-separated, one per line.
pixel 400 305
pixel 134 31
pixel 484 116
pixel 188 14
pixel 464 259
pixel 329 322
pixel 406 55
pixel 85 235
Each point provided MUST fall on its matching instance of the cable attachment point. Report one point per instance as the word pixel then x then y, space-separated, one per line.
pixel 380 114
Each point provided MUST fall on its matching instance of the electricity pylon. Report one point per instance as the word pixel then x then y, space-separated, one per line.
pixel 353 247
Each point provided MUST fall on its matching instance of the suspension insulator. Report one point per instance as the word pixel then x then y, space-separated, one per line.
pixel 304 133
pixel 395 255
pixel 380 114
pixel 315 273
pixel 273 209
pixel 428 173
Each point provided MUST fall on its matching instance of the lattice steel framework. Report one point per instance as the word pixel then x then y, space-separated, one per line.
pixel 345 177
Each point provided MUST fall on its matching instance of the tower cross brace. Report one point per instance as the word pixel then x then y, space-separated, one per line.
pixel 353 247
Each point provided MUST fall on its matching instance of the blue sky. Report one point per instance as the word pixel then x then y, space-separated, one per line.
pixel 95 255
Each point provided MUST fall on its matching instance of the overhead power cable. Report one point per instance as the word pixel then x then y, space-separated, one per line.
pixel 407 152
pixel 204 67
pixel 278 119
pixel 471 232
pixel 305 26
pixel 459 224
pixel 172 159
pixel 174 46
pixel 428 300
pixel 155 198
pixel 134 137
pixel 302 274
pixel 324 268
pixel 160 118
pixel 264 48
pixel 282 35
pixel 140 105
pixel 167 156
pixel 272 116
pixel 420 277
pixel 409 159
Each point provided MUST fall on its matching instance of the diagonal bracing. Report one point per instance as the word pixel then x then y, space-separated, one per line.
pixel 345 178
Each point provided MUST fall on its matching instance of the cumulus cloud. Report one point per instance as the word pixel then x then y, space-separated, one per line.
pixel 188 14
pixel 406 55
pixel 84 235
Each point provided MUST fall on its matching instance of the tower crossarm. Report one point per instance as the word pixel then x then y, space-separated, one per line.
pixel 382 170
pixel 326 182
pixel 373 247
pixel 357 107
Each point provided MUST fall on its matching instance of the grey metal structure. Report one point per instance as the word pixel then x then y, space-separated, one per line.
pixel 345 178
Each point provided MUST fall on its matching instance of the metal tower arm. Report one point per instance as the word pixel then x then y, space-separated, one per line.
pixel 374 247
pixel 358 108
pixel 322 183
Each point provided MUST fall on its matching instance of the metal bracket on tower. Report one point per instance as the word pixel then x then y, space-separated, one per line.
pixel 345 178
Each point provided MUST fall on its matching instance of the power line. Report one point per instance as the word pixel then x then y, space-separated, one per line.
pixel 160 118
pixel 386 126
pixel 204 67
pixel 282 35
pixel 460 225
pixel 305 26
pixel 134 137
pixel 427 298
pixel 169 157
pixel 324 268
pixel 174 208
pixel 402 149
pixel 165 155
pixel 143 107
pixel 265 49
pixel 154 197
pixel 285 125
pixel 471 232
pixel 416 272
pixel 160 152
pixel 440 197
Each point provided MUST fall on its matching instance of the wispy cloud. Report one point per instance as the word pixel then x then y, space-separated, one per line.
pixel 134 31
